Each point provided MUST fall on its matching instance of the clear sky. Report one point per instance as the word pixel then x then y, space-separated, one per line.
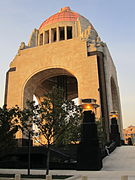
pixel 114 21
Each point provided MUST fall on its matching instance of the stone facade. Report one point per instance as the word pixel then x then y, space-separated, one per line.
pixel 65 46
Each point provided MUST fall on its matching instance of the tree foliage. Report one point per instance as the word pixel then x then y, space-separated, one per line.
pixel 8 127
pixel 58 120
pixel 28 117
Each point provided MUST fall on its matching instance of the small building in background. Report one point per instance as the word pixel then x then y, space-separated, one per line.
pixel 129 134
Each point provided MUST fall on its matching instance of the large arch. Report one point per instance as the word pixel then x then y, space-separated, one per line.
pixel 116 102
pixel 44 80
pixel 115 95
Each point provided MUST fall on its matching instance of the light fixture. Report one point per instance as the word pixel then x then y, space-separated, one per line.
pixel 114 114
pixel 89 104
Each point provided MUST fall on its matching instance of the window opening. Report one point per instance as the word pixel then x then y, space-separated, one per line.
pixel 53 34
pixel 46 37
pixel 62 33
pixel 41 39
pixel 69 32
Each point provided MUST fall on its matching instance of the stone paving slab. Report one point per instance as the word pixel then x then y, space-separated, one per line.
pixel 122 159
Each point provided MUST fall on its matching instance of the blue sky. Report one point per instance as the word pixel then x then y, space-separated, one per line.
pixel 114 21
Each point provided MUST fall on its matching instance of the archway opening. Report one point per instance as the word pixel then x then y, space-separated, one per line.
pixel 114 93
pixel 43 81
pixel 66 82
pixel 116 102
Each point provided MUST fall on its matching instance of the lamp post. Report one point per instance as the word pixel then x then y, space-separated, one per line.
pixel 89 104
pixel 115 135
pixel 89 154
pixel 114 114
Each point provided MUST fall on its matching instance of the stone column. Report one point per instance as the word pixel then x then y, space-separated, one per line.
pixel 38 39
pixel 43 37
pixel 50 35
pixel 57 33
pixel 17 176
pixel 84 177
pixel 48 177
pixel 115 135
pixel 124 177
pixel 89 153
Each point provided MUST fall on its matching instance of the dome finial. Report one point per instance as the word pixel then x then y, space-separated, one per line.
pixel 65 9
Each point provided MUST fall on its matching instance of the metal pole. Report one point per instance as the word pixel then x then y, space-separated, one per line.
pixel 29 154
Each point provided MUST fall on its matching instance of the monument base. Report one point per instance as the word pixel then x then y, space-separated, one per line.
pixel 89 157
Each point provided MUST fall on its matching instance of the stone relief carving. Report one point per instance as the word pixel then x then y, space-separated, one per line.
pixel 93 38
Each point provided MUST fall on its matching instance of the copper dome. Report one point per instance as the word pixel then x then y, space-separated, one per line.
pixel 65 14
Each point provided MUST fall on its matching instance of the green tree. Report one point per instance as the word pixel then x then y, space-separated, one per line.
pixel 8 127
pixel 27 119
pixel 58 120
pixel 72 134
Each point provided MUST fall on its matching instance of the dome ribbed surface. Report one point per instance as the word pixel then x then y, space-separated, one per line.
pixel 65 14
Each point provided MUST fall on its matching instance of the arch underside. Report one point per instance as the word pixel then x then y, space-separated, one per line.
pixel 115 96
pixel 116 103
pixel 43 81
